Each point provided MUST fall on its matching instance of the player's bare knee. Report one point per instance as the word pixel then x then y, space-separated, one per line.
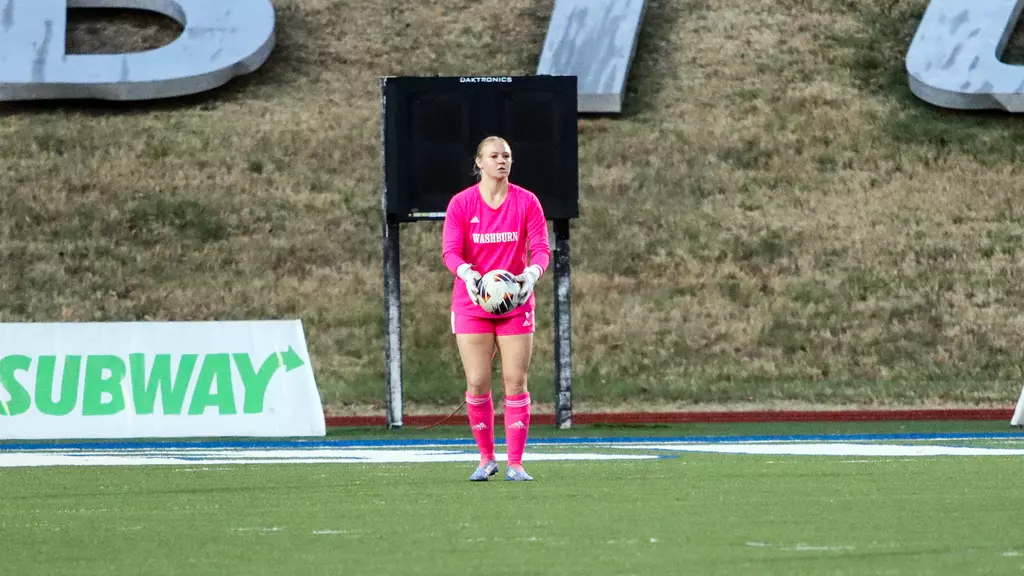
pixel 478 386
pixel 514 384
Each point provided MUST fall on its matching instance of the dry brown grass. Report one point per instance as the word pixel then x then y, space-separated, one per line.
pixel 773 218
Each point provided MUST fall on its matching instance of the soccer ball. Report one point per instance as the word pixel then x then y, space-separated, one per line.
pixel 499 292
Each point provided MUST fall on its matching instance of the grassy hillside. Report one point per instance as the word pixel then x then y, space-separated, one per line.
pixel 773 219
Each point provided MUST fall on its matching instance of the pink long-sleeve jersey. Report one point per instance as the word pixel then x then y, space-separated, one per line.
pixel 490 239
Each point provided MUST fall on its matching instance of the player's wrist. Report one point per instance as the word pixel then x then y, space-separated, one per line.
pixel 462 269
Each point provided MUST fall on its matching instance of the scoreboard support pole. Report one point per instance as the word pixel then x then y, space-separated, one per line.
pixel 563 327
pixel 392 284
pixel 393 319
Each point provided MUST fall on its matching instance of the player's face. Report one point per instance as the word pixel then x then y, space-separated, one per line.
pixel 495 161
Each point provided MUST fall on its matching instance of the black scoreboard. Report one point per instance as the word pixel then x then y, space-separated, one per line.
pixel 432 126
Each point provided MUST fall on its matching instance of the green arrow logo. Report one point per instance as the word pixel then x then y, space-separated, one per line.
pixel 290 359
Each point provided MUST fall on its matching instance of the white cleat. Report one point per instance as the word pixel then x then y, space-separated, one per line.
pixel 513 475
pixel 484 472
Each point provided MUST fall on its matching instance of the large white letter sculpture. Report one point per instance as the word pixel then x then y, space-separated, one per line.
pixel 953 59
pixel 221 39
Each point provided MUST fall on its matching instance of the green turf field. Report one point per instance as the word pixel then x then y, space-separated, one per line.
pixel 684 513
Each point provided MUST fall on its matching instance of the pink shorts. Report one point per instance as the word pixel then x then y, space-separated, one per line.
pixel 519 321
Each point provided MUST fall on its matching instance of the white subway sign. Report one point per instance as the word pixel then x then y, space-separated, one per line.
pixel 171 379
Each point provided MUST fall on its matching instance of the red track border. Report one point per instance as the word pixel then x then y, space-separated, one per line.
pixel 625 418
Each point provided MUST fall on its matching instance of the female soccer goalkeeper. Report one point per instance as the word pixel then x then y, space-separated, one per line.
pixel 493 225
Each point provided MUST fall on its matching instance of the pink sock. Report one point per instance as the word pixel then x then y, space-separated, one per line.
pixel 481 422
pixel 517 426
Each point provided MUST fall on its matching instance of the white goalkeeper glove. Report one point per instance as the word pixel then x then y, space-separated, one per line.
pixel 472 279
pixel 527 280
